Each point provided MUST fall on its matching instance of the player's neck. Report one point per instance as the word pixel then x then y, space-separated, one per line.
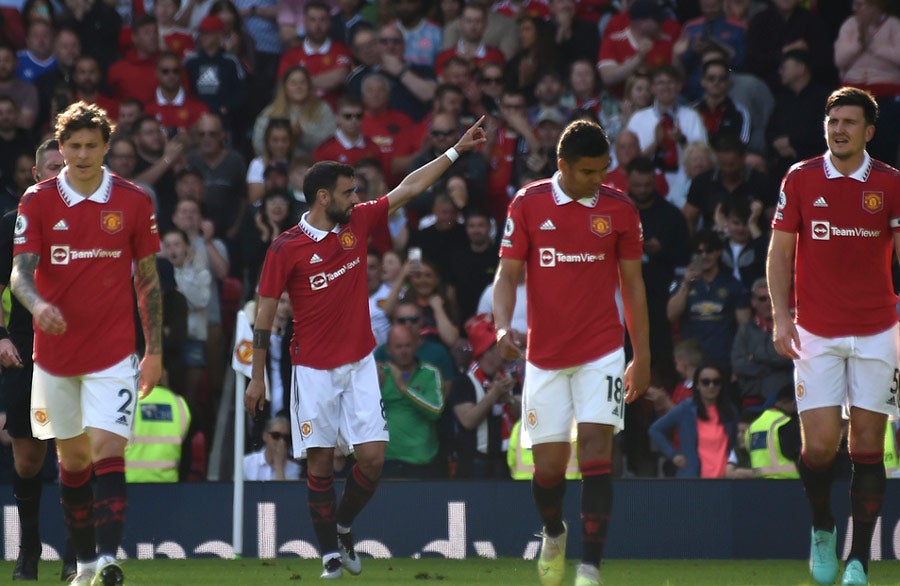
pixel 849 165
pixel 85 187
pixel 319 220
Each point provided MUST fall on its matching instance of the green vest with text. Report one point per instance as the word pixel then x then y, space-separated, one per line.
pixel 891 465
pixel 160 426
pixel 521 459
pixel 765 447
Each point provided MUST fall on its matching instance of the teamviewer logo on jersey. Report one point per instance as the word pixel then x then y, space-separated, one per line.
pixel 548 257
pixel 59 255
pixel 821 230
pixel 318 281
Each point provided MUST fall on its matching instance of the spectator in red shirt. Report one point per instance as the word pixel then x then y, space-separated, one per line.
pixel 327 61
pixel 86 83
pixel 348 145
pixel 173 107
pixel 386 127
pixel 172 37
pixel 135 75
pixel 471 45
pixel 627 149
pixel 646 42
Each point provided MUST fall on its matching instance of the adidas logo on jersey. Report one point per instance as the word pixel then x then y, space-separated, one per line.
pixel 820 203
pixel 548 225
pixel 121 420
pixel 61 225
pixel 315 259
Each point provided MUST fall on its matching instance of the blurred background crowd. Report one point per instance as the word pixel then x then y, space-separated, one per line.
pixel 222 105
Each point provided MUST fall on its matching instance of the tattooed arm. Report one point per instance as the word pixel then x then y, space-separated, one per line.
pixel 149 298
pixel 255 395
pixel 47 317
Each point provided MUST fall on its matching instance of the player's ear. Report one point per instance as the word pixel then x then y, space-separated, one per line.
pixel 323 196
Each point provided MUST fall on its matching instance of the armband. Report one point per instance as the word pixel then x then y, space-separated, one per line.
pixel 452 154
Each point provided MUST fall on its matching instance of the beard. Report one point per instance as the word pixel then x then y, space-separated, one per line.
pixel 337 216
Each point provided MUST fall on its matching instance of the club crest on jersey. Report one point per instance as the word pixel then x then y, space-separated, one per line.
pixel 306 429
pixel 531 418
pixel 873 201
pixel 111 222
pixel 347 239
pixel 601 225
pixel 801 390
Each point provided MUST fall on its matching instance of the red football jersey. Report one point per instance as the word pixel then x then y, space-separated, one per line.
pixel 620 46
pixel 87 247
pixel 845 227
pixel 571 251
pixel 325 276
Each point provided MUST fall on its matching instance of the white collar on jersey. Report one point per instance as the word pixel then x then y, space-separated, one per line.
pixel 72 197
pixel 359 143
pixel 560 197
pixel 313 232
pixel 860 174
pixel 323 49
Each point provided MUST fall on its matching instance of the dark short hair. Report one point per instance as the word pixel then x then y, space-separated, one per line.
pixel 51 144
pixel 188 171
pixel 738 207
pixel 708 238
pixel 582 138
pixel 854 96
pixel 729 142
pixel 83 116
pixel 716 63
pixel 324 175
pixel 641 165
pixel 143 21
pixel 669 70
pixel 476 212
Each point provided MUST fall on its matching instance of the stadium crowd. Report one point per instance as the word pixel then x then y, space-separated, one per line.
pixel 222 105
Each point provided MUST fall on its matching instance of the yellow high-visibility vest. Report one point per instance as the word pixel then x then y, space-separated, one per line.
pixel 521 460
pixel 160 426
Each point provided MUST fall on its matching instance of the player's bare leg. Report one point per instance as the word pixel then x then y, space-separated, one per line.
pixel 867 487
pixel 595 442
pixel 548 487
pixel 358 490
pixel 821 432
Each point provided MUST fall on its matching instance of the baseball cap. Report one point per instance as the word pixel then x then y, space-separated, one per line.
pixel 481 333
pixel 211 24
pixel 550 115
pixel 651 9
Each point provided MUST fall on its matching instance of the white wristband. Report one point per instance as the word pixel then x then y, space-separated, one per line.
pixel 452 154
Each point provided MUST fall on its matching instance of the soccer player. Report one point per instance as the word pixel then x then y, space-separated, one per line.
pixel 15 385
pixel 838 216
pixel 570 229
pixel 78 242
pixel 320 262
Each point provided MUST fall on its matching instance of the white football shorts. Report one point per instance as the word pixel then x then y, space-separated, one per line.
pixel 63 406
pixel 858 371
pixel 344 402
pixel 555 401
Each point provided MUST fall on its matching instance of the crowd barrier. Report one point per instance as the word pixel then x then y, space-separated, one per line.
pixel 652 519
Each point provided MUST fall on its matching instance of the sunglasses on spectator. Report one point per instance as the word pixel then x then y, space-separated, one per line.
pixel 762 298
pixel 436 132
pixel 413 319
pixel 715 78
pixel 356 116
pixel 170 71
pixel 277 435
pixel 715 382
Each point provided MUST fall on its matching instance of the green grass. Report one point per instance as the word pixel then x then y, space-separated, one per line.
pixel 439 571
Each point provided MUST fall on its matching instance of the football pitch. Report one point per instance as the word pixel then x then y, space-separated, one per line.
pixel 443 572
